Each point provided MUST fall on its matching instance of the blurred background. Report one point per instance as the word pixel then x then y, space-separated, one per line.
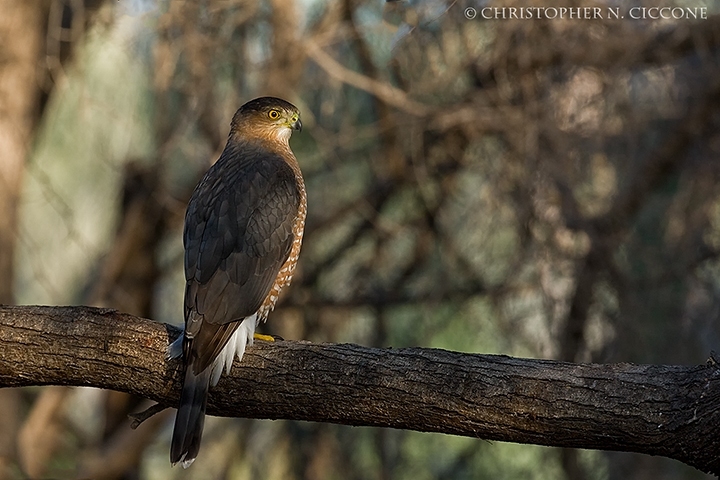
pixel 542 188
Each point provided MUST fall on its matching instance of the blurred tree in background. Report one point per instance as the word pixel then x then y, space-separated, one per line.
pixel 541 187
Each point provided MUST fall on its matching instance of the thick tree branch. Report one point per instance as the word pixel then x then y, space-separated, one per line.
pixel 664 410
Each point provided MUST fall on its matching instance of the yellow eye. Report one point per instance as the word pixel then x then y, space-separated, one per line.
pixel 274 114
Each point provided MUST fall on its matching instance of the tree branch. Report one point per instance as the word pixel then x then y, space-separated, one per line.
pixel 384 91
pixel 654 409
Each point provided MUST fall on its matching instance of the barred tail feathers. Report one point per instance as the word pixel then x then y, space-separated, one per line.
pixel 190 417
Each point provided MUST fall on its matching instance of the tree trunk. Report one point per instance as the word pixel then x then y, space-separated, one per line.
pixel 21 40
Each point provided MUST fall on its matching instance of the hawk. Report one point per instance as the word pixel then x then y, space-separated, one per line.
pixel 243 231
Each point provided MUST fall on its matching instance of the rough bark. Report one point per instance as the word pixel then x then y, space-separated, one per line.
pixel 667 410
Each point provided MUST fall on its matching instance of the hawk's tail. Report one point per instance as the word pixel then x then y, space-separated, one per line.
pixel 190 417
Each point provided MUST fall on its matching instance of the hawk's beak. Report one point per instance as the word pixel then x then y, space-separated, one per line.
pixel 297 125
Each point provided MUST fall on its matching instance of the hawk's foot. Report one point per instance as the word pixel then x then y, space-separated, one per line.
pixel 264 338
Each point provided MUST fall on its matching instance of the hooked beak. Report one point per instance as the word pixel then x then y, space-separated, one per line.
pixel 297 125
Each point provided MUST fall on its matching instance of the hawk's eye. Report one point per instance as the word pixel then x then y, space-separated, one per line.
pixel 274 114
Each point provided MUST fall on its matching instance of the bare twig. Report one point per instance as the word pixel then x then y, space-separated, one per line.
pixel 140 417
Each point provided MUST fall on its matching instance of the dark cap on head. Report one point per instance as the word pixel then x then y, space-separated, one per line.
pixel 262 113
pixel 262 104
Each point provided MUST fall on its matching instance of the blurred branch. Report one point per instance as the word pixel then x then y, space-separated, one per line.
pixel 621 47
pixel 653 409
pixel 41 433
pixel 605 231
pixel 284 67
pixel 125 448
pixel 384 91
pixel 650 172
pixel 393 160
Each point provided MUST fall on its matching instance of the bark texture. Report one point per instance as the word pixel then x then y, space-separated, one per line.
pixel 667 410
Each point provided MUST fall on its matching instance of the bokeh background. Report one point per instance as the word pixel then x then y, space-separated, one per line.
pixel 544 188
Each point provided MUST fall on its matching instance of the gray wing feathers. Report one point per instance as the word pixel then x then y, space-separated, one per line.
pixel 238 233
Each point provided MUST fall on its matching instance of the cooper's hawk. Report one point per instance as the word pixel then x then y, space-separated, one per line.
pixel 243 231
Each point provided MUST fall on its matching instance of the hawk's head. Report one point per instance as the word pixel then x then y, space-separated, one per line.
pixel 267 118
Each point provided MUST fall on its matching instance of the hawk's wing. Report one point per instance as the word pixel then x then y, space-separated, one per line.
pixel 238 233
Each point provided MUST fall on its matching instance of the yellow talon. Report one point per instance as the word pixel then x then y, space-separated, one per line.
pixel 266 338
